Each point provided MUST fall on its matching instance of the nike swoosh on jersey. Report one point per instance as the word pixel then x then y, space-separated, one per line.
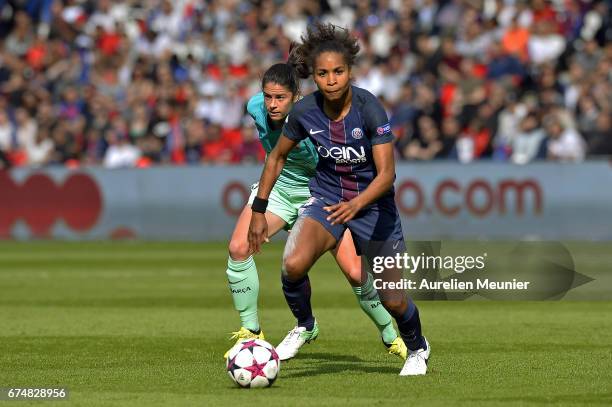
pixel 312 132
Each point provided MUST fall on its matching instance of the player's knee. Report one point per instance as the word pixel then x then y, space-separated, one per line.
pixel 294 267
pixel 239 249
pixel 353 274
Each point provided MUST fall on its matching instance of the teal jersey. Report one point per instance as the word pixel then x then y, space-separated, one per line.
pixel 302 160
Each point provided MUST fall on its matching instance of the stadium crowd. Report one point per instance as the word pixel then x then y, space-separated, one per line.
pixel 139 83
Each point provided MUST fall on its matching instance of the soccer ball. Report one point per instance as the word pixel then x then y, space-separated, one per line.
pixel 253 363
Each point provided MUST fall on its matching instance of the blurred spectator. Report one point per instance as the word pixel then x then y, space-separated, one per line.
pixel 39 150
pixel 120 152
pixel 428 144
pixel 544 43
pixel 474 142
pixel 564 142
pixel 139 122
pixel 21 38
pixel 194 141
pixel 250 150
pixel 7 131
pixel 216 148
pixel 95 147
pixel 451 130
pixel 600 138
pixel 502 64
pixel 529 144
pixel 166 82
pixel 510 119
pixel 515 40
pixel 26 128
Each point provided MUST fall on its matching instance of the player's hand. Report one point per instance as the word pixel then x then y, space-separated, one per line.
pixel 258 232
pixel 342 212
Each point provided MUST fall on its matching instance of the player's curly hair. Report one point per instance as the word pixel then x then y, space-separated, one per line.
pixel 318 39
pixel 321 38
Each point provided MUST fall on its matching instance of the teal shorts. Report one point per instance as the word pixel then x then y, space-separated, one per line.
pixel 284 202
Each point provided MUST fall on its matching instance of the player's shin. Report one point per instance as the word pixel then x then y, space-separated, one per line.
pixel 297 294
pixel 244 286
pixel 409 325
pixel 369 302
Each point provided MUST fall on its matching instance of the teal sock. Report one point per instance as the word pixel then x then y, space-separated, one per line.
pixel 244 286
pixel 371 305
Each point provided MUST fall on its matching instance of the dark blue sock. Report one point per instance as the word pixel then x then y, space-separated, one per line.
pixel 297 294
pixel 409 325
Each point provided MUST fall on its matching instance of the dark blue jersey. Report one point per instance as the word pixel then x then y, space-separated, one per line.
pixel 346 166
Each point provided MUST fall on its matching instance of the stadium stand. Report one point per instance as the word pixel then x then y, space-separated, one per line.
pixel 141 83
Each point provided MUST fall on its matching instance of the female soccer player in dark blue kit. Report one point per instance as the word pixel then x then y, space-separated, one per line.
pixel 352 187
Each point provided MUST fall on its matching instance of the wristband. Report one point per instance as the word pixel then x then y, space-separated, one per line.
pixel 259 205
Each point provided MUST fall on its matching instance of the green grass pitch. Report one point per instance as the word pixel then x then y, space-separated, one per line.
pixel 146 324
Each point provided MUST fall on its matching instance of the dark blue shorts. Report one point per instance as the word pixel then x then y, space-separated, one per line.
pixel 376 229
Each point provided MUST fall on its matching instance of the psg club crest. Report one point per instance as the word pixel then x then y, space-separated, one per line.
pixel 357 133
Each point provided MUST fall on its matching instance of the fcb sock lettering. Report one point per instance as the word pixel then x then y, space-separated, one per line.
pixel 244 286
pixel 297 294
pixel 409 325
pixel 368 299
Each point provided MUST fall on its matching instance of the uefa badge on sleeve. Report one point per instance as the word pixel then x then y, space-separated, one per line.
pixel 383 129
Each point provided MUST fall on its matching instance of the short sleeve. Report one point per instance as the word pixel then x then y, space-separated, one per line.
pixel 254 106
pixel 292 129
pixel 377 123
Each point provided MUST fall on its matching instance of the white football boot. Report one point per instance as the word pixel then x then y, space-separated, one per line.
pixel 416 363
pixel 294 340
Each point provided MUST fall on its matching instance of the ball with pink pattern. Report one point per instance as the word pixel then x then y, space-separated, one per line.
pixel 253 363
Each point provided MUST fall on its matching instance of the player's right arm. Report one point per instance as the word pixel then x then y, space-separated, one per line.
pixel 292 134
pixel 258 229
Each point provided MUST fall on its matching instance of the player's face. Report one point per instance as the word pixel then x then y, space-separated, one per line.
pixel 332 75
pixel 278 100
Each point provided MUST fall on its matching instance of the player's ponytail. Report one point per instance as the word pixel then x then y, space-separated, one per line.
pixel 289 74
pixel 298 60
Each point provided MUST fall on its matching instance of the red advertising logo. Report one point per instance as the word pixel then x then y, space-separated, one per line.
pixel 479 197
pixel 235 196
pixel 40 202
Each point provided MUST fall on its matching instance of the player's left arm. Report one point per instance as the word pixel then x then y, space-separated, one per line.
pixel 384 161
